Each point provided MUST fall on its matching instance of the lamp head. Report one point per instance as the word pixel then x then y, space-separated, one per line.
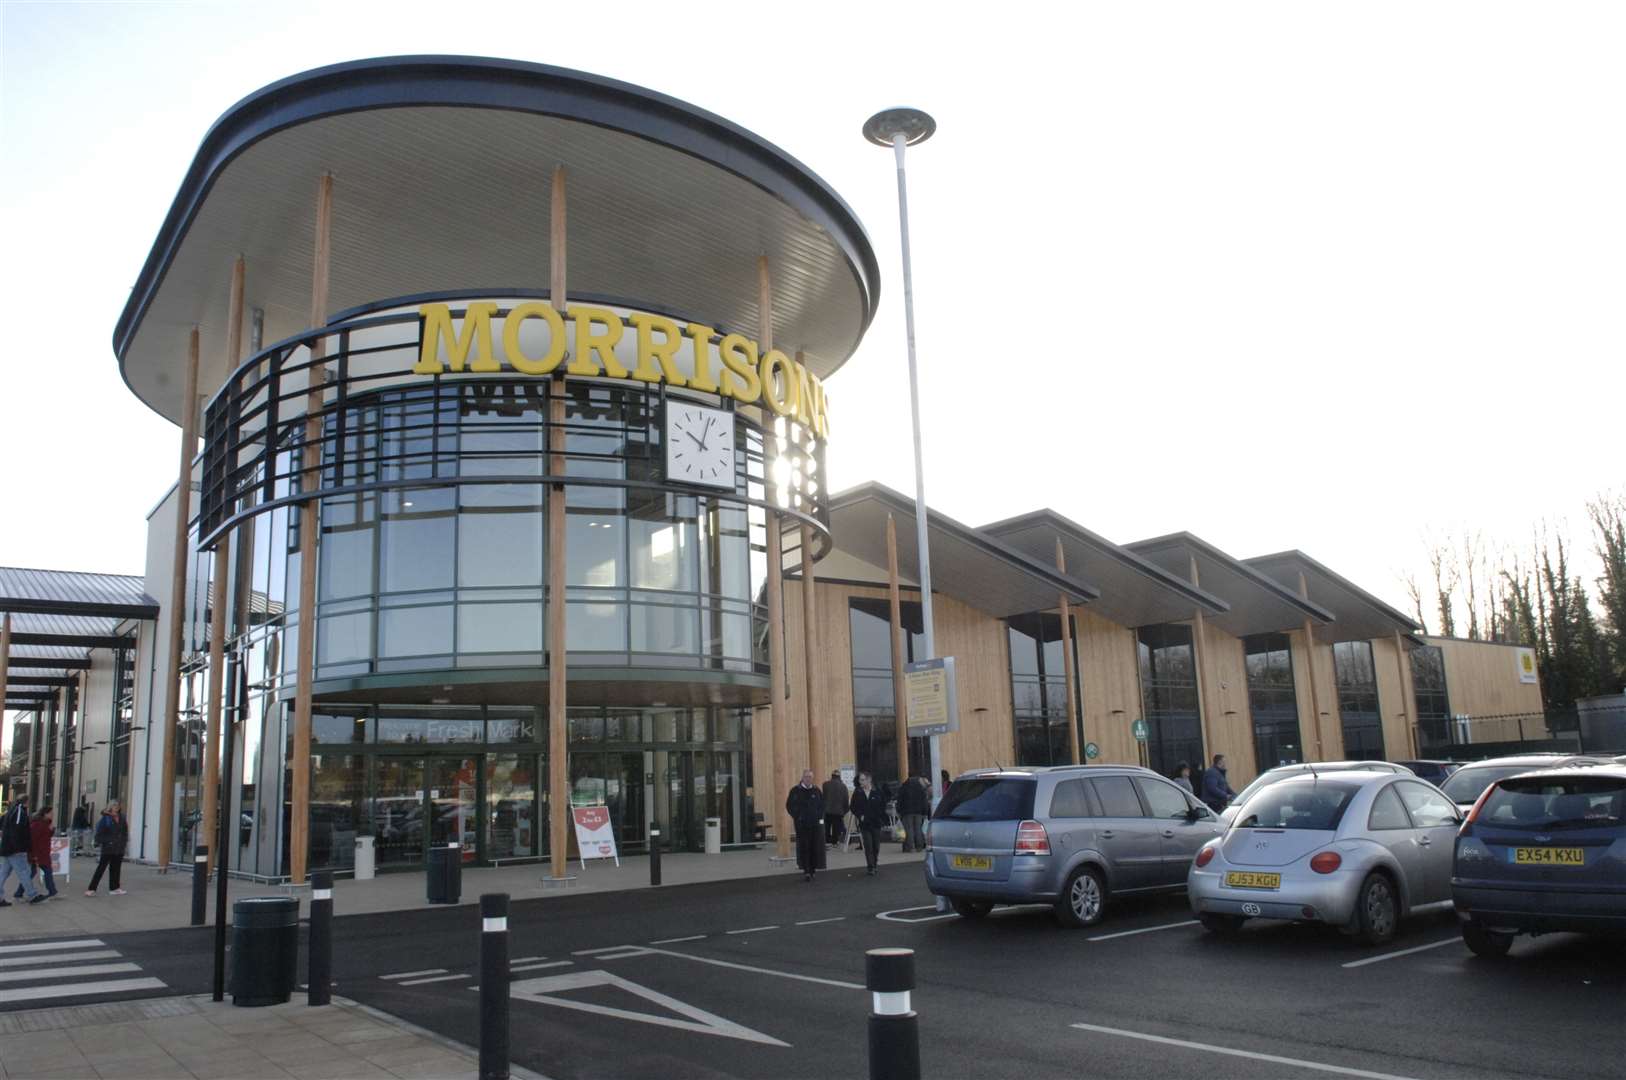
pixel 914 125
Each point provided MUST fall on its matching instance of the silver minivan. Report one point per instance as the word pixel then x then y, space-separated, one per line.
pixel 1073 836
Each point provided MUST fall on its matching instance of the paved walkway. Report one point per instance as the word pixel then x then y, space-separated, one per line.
pixel 195 1038
pixel 157 901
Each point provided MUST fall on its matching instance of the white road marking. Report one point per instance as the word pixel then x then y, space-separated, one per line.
pixel 72 972
pixel 58 958
pixel 414 974
pixel 675 940
pixel 1142 930
pixel 701 1022
pixel 752 930
pixel 1274 1059
pixel 759 970
pixel 816 922
pixel 1403 952
pixel 46 946
pixel 539 967
pixel 889 916
pixel 108 986
pixel 607 948
pixel 437 978
pixel 526 959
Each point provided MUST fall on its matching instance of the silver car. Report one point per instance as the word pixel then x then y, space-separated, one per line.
pixel 1356 850
pixel 1285 772
pixel 1073 836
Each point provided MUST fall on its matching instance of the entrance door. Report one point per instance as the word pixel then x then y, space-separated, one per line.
pixel 453 804
pixel 680 798
pixel 421 801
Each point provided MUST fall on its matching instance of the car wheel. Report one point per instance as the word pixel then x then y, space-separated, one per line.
pixel 971 909
pixel 1083 899
pixel 1377 909
pixel 1487 943
pixel 1216 923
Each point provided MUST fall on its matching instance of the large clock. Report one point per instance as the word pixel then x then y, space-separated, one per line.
pixel 699 445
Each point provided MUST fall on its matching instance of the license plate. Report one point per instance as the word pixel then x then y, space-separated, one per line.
pixel 1548 856
pixel 1246 879
pixel 971 862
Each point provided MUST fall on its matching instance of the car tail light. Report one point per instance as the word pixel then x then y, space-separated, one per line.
pixel 1206 855
pixel 1474 813
pixel 1031 839
pixel 1326 862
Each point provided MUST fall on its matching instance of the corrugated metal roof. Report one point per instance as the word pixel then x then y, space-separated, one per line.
pixel 69 592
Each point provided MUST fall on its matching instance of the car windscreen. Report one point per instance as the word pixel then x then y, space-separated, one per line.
pixel 1467 785
pixel 987 798
pixel 1317 805
pixel 1549 803
pixel 1263 780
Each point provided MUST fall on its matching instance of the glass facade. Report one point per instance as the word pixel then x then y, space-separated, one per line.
pixel 1168 680
pixel 875 732
pixel 1357 680
pixel 1272 700
pixel 1039 689
pixel 1433 703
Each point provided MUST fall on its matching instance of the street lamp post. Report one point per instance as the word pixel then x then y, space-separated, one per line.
pixel 899 128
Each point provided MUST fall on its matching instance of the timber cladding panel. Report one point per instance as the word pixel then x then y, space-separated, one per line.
pixel 1396 702
pixel 1482 680
pixel 1110 675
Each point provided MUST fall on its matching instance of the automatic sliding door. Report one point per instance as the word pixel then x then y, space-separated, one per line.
pixel 454 804
pixel 398 810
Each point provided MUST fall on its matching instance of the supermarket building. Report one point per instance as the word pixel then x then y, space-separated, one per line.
pixel 471 357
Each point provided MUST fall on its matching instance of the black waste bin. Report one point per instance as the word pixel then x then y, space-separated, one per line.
pixel 445 877
pixel 264 949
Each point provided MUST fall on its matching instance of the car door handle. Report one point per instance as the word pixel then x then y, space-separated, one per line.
pixel 1168 834
pixel 1106 834
pixel 1423 841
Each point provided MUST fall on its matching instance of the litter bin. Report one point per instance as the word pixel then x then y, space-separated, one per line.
pixel 714 836
pixel 264 949
pixel 366 866
pixel 445 885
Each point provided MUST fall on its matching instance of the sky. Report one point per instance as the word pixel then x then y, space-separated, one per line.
pixel 1335 277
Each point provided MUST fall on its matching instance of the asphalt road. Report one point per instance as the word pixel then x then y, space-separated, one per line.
pixel 764 978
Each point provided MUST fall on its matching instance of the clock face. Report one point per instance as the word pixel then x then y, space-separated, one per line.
pixel 699 445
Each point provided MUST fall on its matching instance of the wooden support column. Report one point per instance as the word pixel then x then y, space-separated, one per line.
pixel 177 608
pixel 1407 696
pixel 217 604
pixel 900 692
pixel 309 524
pixel 1309 659
pixel 1199 634
pixel 776 583
pixel 810 659
pixel 1073 747
pixel 558 625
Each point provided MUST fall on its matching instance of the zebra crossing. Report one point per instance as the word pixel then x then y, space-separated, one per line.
pixel 74 967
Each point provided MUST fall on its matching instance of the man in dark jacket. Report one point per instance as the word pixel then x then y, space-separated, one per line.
pixel 16 838
pixel 81 826
pixel 869 810
pixel 1217 791
pixel 805 805
pixel 835 809
pixel 112 833
pixel 914 803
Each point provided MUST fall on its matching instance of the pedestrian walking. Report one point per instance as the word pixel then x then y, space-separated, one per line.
pixel 869 810
pixel 16 840
pixel 1182 777
pixel 805 805
pixel 112 833
pixel 1217 791
pixel 80 826
pixel 913 804
pixel 39 850
pixel 836 799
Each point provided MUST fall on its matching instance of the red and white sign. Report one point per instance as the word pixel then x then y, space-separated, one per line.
pixel 595 837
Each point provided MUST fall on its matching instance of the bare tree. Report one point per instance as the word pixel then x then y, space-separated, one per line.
pixel 1442 562
pixel 1414 593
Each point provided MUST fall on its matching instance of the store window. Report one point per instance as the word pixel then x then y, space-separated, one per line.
pixel 874 715
pixel 1272 700
pixel 1433 704
pixel 1357 680
pixel 1039 689
pixel 1168 677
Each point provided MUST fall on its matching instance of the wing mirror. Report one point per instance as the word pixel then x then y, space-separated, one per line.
pixel 1196 813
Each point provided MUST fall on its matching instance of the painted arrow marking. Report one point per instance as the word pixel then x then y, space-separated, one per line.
pixel 542 991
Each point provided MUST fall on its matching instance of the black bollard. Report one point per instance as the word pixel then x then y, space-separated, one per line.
pixel 200 884
pixel 894 1034
pixel 654 856
pixel 319 966
pixel 494 986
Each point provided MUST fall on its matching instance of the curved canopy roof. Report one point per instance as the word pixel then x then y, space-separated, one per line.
pixel 442 172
